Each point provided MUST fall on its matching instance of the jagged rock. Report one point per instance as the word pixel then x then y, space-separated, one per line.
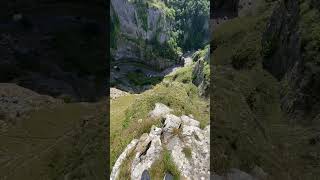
pixel 145 158
pixel 159 111
pixel 177 135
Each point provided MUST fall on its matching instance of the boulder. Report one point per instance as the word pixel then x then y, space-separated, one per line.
pixel 159 111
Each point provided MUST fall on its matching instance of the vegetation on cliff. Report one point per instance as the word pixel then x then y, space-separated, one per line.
pixel 252 127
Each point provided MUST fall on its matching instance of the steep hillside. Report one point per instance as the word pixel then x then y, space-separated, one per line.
pixel 52 66
pixel 44 138
pixel 162 62
pixel 260 83
pixel 149 39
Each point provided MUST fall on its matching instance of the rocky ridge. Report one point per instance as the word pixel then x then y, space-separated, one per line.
pixel 176 135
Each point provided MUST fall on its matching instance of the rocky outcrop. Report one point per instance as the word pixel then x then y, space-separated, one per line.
pixel 177 135
pixel 116 93
pixel 16 102
pixel 201 71
pixel 159 111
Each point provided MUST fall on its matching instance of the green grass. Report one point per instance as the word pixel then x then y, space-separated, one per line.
pixel 187 151
pixel 127 110
pixel 164 165
pixel 142 10
pixel 50 143
pixel 125 169
pixel 169 12
pixel 183 75
pixel 182 98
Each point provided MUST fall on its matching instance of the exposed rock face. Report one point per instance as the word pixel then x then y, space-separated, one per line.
pixel 117 165
pixel 222 8
pixel 222 11
pixel 201 78
pixel 176 135
pixel 135 25
pixel 281 41
pixel 148 150
pixel 287 58
pixel 41 51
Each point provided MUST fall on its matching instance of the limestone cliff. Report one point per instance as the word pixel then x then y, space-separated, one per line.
pixel 290 53
pixel 141 31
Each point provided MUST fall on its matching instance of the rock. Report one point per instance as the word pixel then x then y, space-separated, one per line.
pixel 281 41
pixel 258 173
pixel 236 174
pixel 159 111
pixel 188 121
pixel 124 154
pixel 172 122
pixel 146 156
pixel 16 101
pixel 116 93
pixel 155 131
pixel 17 17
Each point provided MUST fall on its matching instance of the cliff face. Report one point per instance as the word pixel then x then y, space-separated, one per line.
pixel 50 49
pixel 266 76
pixel 140 31
pixel 281 40
pixel 290 54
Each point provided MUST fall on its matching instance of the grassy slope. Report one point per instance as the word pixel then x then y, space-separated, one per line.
pixel 250 128
pixel 176 91
pixel 46 134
